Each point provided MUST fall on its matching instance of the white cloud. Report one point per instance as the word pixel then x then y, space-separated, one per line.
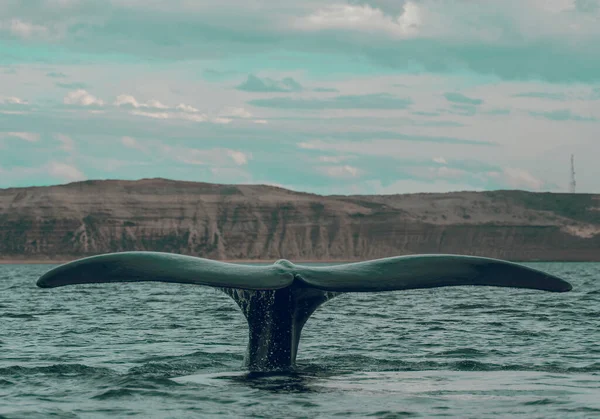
pixel 440 160
pixel 307 145
pixel 22 29
pixel 192 117
pixel 364 18
pixel 130 142
pixel 155 115
pixel 26 136
pixel 13 112
pixel 186 108
pixel 12 100
pixel 153 103
pixel 128 100
pixel 65 171
pixel 83 98
pixel 238 157
pixel 172 115
pixel 344 171
pixel 333 159
pixel 67 143
pixel 220 120
pixel 261 121
pixel 235 113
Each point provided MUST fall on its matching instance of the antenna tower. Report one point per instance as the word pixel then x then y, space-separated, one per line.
pixel 573 183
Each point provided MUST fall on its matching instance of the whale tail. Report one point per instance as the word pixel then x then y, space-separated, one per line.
pixel 278 299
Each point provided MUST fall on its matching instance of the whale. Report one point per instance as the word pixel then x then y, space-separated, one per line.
pixel 278 299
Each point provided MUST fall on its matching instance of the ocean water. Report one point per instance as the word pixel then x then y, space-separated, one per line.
pixel 175 351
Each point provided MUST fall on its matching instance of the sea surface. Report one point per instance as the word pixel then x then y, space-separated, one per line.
pixel 153 350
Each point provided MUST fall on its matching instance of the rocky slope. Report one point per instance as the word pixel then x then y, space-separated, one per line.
pixel 266 223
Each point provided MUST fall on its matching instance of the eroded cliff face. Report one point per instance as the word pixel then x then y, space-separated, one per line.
pixel 266 223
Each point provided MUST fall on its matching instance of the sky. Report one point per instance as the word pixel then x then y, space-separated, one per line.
pixel 328 97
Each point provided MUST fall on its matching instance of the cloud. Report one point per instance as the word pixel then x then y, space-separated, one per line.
pixel 23 29
pixel 266 85
pixel 221 120
pixel 235 113
pixel 563 115
pixel 511 39
pixel 238 157
pixel 325 90
pixel 543 95
pixel 497 111
pixel 83 98
pixel 12 100
pixel 30 137
pixel 368 101
pixel 132 143
pixel 67 143
pixel 344 171
pixel 130 101
pixel 462 109
pixel 334 159
pixel 425 113
pixel 461 99
pixel 194 117
pixel 73 85
pixel 357 137
pixel 440 160
pixel 363 18
pixel 186 108
pixel 155 115
pixel 216 157
pixel 56 75
pixel 587 6
pixel 65 171
pixel 157 110
pixel 447 172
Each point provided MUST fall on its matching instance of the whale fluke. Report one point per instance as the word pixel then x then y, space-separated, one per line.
pixel 278 299
pixel 427 271
pixel 166 267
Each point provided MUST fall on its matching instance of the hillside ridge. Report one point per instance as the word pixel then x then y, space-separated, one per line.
pixel 263 222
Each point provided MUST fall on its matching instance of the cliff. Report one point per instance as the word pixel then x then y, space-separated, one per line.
pixel 265 223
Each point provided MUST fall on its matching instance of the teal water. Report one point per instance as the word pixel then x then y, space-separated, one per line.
pixel 171 351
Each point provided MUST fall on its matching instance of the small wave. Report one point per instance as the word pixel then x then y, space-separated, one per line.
pixel 461 352
pixel 468 306
pixel 18 316
pixel 542 402
pixel 58 370
pixel 114 394
pixel 388 414
pixel 365 363
pixel 42 413
pixel 4 382
pixel 184 365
